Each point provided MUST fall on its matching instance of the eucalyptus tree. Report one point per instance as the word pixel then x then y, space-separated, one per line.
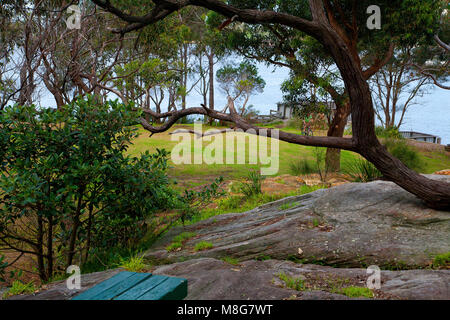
pixel 240 83
pixel 324 21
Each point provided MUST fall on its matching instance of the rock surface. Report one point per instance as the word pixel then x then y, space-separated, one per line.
pixel 256 280
pixel 352 225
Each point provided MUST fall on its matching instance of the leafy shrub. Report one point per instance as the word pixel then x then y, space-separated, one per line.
pixel 253 184
pixel 193 201
pixel 361 170
pixel 388 133
pixel 18 287
pixel 3 265
pixel 203 245
pixel 65 174
pixel 301 166
pixel 134 263
pixel 405 153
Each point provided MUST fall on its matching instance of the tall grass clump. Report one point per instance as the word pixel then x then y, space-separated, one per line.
pixel 361 170
pixel 253 185
pixel 405 153
pixel 301 166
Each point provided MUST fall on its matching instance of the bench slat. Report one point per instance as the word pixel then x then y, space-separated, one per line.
pixel 105 285
pixel 171 289
pixel 122 287
pixel 142 288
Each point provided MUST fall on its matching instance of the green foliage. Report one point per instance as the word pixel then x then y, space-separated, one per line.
pixel 301 166
pixel 3 265
pixel 442 260
pixel 230 260
pixel 65 172
pixel 297 284
pixel 203 245
pixel 361 170
pixel 193 201
pixel 287 206
pixel 18 287
pixel 392 132
pixel 356 292
pixel 134 263
pixel 240 82
pixel 179 240
pixel 253 184
pixel 174 246
pixel 405 153
pixel 263 257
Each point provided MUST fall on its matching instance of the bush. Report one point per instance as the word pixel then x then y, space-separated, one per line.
pixel 405 153
pixel 253 185
pixel 301 166
pixel 388 133
pixel 18 287
pixel 3 266
pixel 65 175
pixel 361 170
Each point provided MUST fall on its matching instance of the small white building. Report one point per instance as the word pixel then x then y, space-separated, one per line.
pixel 418 136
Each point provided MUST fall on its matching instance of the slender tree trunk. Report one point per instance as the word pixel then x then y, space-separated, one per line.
pixel 75 226
pixel 211 82
pixel 40 250
pixel 50 248
pixel 89 230
pixel 336 129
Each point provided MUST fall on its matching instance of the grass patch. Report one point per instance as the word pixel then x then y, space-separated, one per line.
pixel 356 292
pixel 361 170
pixel 179 240
pixel 442 260
pixel 263 257
pixel 291 282
pixel 134 263
pixel 287 206
pixel 230 260
pixel 18 287
pixel 432 161
pixel 301 166
pixel 203 245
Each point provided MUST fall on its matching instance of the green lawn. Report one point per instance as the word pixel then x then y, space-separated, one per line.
pixel 433 161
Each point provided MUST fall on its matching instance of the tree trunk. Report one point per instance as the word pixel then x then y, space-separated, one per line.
pixel 211 82
pixel 50 248
pixel 337 128
pixel 435 193
pixel 40 250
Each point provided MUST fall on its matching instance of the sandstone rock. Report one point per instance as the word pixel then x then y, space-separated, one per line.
pixel 259 280
pixel 352 225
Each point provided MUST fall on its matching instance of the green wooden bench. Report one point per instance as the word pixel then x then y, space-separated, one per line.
pixel 137 286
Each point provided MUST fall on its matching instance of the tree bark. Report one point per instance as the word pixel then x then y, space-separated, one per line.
pixel 336 129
